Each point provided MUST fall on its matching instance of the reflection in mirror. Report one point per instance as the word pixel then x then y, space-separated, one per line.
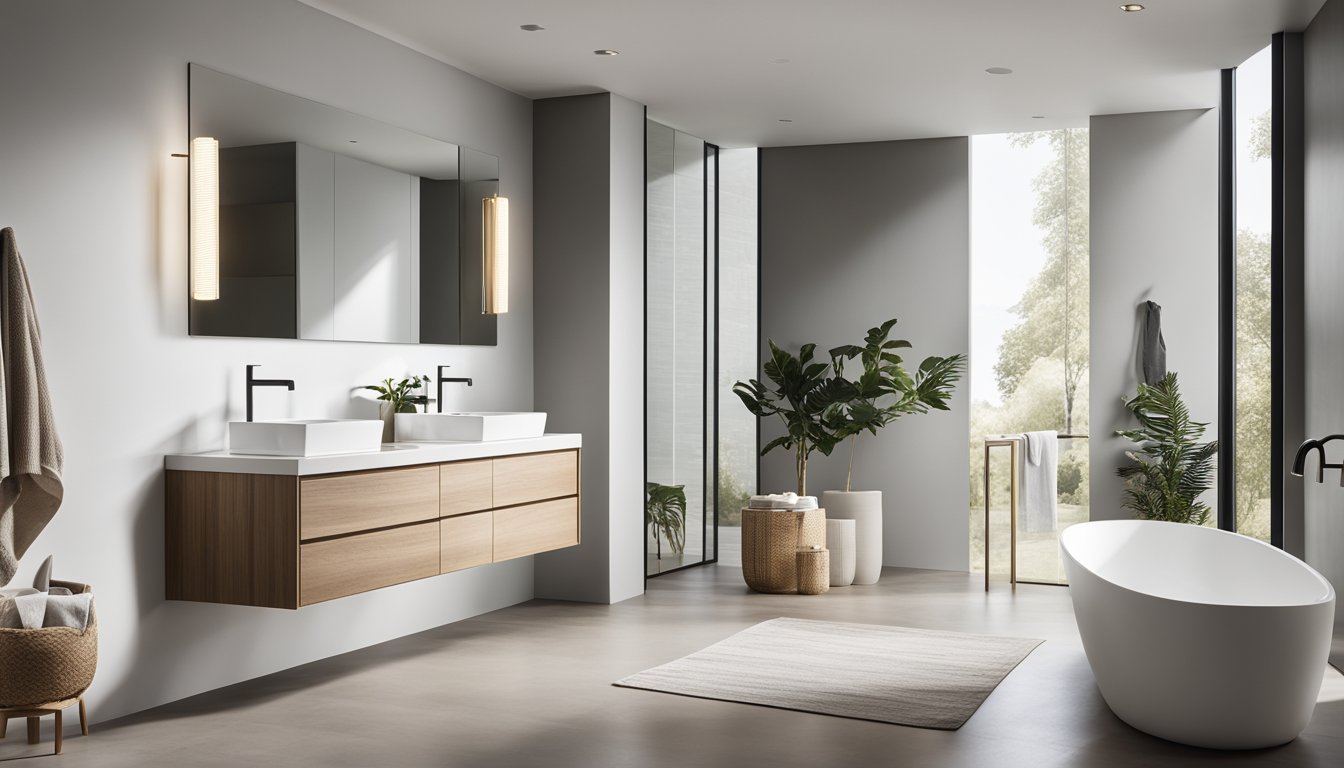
pixel 337 226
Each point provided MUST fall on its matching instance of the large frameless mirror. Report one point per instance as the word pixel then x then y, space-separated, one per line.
pixel 336 226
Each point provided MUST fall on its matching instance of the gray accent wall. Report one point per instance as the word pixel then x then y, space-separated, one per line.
pixel 95 99
pixel 1324 292
pixel 588 156
pixel 1154 195
pixel 852 235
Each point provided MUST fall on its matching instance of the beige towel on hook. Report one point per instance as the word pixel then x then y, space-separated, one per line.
pixel 31 458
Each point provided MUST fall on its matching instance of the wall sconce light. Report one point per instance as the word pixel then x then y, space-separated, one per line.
pixel 495 272
pixel 204 223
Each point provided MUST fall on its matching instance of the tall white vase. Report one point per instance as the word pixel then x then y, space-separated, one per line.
pixel 865 509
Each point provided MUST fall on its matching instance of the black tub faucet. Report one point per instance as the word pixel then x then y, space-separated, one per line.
pixel 443 380
pixel 255 382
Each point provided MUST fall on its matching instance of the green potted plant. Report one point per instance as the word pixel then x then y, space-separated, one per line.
pixel 801 394
pixel 665 515
pixel 398 397
pixel 1170 467
pixel 883 392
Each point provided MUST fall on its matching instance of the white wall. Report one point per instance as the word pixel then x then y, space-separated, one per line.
pixel 1324 310
pixel 95 100
pixel 589 171
pixel 1154 200
pixel 626 375
pixel 851 236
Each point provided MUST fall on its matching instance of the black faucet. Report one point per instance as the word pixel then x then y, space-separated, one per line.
pixel 254 382
pixel 1300 461
pixel 443 380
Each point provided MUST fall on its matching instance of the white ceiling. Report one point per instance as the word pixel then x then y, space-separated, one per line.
pixel 857 70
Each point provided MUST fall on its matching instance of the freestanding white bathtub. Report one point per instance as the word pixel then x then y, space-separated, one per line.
pixel 1198 635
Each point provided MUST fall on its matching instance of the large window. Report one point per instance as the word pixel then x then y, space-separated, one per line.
pixel 1252 289
pixel 1029 331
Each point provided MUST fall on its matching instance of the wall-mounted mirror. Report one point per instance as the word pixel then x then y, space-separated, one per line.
pixel 337 226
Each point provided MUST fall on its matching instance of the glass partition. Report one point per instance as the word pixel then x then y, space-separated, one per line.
pixel 701 337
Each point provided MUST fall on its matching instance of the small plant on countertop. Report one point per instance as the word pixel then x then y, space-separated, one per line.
pixel 399 395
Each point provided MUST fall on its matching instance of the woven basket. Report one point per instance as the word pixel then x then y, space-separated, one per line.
pixel 39 666
pixel 814 571
pixel 770 542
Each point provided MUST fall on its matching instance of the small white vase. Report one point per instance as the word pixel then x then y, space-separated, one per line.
pixel 865 509
pixel 840 541
pixel 389 418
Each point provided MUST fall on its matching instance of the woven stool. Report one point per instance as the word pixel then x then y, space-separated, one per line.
pixel 44 671
pixel 814 570
pixel 770 541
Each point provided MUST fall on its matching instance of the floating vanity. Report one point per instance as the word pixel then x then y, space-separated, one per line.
pixel 285 532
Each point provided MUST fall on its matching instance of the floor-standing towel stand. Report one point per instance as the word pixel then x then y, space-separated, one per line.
pixel 1011 442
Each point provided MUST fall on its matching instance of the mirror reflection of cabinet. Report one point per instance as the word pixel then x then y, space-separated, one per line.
pixel 336 226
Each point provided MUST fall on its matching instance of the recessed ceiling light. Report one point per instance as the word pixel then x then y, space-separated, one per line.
pixel 1038 117
pixel 785 120
pixel 607 52
pixel 779 61
pixel 1131 7
pixel 999 71
pixel 531 27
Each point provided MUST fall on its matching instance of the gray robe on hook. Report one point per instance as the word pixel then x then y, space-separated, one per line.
pixel 1154 351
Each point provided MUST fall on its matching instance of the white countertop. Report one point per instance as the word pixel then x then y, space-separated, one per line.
pixel 392 455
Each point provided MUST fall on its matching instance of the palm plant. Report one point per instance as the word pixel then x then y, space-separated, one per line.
pixel 665 515
pixel 885 391
pixel 1170 468
pixel 802 394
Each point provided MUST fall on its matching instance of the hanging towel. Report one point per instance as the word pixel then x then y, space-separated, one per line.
pixel 31 457
pixel 1154 346
pixel 1037 491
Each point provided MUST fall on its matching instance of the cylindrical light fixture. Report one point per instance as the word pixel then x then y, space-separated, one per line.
pixel 495 256
pixel 204 219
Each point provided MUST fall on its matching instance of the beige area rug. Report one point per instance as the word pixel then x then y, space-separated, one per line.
pixel 918 677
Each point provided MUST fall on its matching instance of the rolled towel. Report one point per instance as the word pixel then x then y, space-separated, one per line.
pixel 783 501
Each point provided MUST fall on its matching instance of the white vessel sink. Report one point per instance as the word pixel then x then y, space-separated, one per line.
pixel 307 437
pixel 478 426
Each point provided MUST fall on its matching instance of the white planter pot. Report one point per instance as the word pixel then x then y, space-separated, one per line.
pixel 865 509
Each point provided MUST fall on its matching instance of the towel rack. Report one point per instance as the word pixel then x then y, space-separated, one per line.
pixel 1011 442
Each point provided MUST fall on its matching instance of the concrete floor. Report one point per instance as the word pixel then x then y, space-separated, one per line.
pixel 531 686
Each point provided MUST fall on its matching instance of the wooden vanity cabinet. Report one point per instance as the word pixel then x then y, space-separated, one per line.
pixel 284 541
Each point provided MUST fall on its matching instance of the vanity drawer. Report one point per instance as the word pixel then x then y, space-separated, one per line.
pixel 466 541
pixel 535 476
pixel 354 564
pixel 337 504
pixel 534 528
pixel 466 486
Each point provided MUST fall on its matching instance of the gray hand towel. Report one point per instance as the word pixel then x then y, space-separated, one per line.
pixel 1154 346
pixel 31 457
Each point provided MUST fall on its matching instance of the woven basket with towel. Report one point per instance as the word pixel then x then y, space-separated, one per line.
pixel 39 666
